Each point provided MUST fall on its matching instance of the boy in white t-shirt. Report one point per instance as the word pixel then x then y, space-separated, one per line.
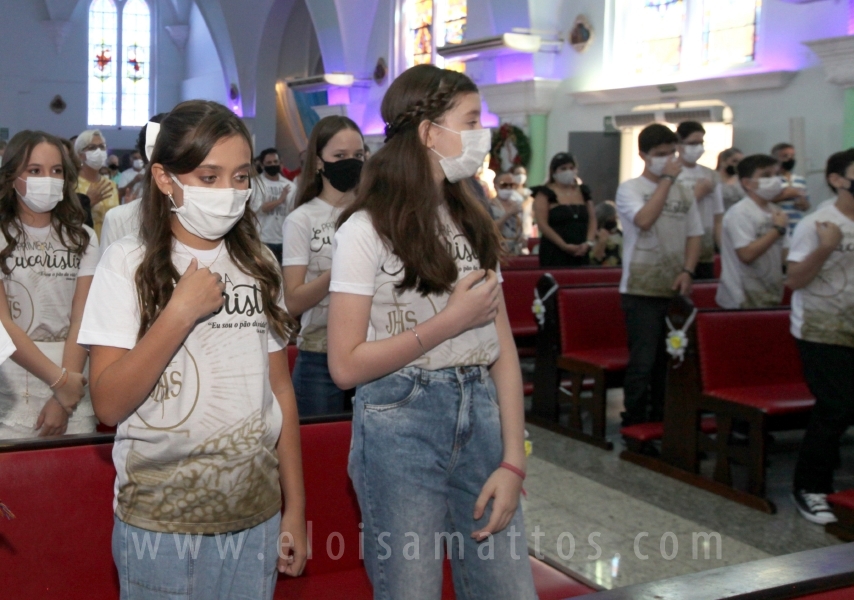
pixel 661 246
pixel 708 192
pixel 272 200
pixel 821 271
pixel 754 241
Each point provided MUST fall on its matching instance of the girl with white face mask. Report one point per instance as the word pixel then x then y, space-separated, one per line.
pixel 187 329
pixel 563 209
pixel 506 209
pixel 47 271
pixel 91 149
pixel 418 325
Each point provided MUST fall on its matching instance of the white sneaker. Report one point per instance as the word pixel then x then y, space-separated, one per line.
pixel 814 507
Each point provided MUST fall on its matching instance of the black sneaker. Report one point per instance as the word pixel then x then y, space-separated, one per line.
pixel 814 507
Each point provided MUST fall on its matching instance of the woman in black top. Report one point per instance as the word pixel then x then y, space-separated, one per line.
pixel 565 216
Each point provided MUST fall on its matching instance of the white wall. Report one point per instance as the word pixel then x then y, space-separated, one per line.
pixel 203 77
pixel 32 71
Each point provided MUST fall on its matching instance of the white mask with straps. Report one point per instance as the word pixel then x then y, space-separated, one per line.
pixel 210 213
pixel 43 193
pixel 476 145
pixel 768 188
pixel 96 158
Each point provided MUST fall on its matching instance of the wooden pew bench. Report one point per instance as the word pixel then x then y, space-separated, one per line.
pixel 58 546
pixel 843 507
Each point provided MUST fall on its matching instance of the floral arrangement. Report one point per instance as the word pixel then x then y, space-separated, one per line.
pixel 510 148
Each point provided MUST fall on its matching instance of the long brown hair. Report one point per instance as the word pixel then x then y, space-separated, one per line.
pixel 66 217
pixel 399 192
pixel 187 135
pixel 311 182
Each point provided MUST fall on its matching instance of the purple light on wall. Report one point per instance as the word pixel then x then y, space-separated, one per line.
pixel 850 17
pixel 487 119
pixel 514 67
pixel 338 95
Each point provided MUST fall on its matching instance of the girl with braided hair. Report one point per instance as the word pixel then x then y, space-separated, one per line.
pixel 418 324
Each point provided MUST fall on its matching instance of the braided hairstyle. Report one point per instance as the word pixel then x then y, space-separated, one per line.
pixel 398 189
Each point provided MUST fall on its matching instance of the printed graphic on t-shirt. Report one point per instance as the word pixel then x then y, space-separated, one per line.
pixel 763 279
pixel 41 286
pixel 659 253
pixel 227 482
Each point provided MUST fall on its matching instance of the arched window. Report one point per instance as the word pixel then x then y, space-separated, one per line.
pixel 729 31
pixel 103 89
pixel 120 60
pixel 661 24
pixel 432 24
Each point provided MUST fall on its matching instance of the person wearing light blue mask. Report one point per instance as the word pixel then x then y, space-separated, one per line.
pixel 188 331
pixel 47 271
pixel 417 324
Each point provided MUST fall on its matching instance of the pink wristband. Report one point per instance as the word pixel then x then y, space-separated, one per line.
pixel 512 469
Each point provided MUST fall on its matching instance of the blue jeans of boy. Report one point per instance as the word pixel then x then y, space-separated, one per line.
pixel 314 389
pixel 424 444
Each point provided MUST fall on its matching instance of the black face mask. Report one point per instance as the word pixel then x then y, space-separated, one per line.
pixel 272 170
pixel 611 226
pixel 730 170
pixel 788 165
pixel 343 174
pixel 113 167
pixel 259 169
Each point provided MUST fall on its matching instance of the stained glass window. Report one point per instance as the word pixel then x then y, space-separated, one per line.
pixel 729 31
pixel 660 25
pixel 103 87
pixel 421 32
pixel 456 13
pixel 136 56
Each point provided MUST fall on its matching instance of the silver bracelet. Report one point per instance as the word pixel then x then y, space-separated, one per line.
pixel 418 338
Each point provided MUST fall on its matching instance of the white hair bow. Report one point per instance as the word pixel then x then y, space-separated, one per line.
pixel 151 132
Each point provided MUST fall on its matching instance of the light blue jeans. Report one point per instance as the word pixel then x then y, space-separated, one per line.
pixel 177 566
pixel 314 389
pixel 424 443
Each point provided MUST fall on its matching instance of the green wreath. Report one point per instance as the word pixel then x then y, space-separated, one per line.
pixel 517 137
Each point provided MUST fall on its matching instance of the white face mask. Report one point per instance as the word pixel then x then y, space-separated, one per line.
pixel 96 158
pixel 505 194
pixel 691 153
pixel 138 164
pixel 520 179
pixel 566 177
pixel 769 187
pixel 656 164
pixel 476 145
pixel 210 213
pixel 43 193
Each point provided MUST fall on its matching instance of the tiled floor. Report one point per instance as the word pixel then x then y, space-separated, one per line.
pixel 576 491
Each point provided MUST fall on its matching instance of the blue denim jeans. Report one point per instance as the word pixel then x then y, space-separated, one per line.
pixel 316 393
pixel 424 444
pixel 177 566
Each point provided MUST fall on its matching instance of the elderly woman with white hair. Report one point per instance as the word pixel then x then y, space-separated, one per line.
pixel 91 148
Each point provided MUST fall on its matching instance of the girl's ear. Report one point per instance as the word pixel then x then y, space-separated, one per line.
pixel 161 178
pixel 425 132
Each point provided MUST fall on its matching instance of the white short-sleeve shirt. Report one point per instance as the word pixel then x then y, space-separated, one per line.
pixel 308 233
pixel 653 259
pixel 271 223
pixel 823 310
pixel 363 264
pixel 760 283
pixel 709 206
pixel 121 221
pixel 199 454
pixel 43 280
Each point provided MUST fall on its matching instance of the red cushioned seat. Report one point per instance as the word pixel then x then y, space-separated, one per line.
pixel 648 432
pixel 610 359
pixel 703 294
pixel 781 399
pixel 531 261
pixel 551 584
pixel 840 594
pixel 845 499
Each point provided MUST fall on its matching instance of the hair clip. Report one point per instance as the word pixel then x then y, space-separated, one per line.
pixel 151 132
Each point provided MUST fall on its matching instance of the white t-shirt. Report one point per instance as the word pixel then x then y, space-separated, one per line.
pixel 653 259
pixel 709 206
pixel 43 280
pixel 121 221
pixel 126 177
pixel 823 311
pixel 199 454
pixel 760 283
pixel 7 347
pixel 364 265
pixel 271 222
pixel 308 233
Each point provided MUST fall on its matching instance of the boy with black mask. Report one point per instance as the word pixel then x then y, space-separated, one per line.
pixel 272 200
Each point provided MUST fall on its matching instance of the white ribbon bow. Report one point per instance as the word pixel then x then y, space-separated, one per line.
pixel 152 130
pixel 677 339
pixel 539 308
